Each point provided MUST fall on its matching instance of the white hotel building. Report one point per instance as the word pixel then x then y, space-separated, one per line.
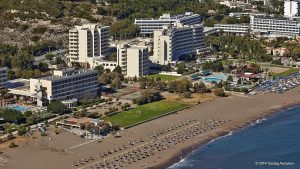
pixel 292 8
pixel 63 85
pixel 133 59
pixel 274 26
pixel 233 28
pixel 174 41
pixel 88 42
pixel 148 26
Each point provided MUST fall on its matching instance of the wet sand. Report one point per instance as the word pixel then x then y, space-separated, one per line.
pixel 65 148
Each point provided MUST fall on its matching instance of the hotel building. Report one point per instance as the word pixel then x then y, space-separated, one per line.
pixel 63 85
pixel 233 28
pixel 291 8
pixel 134 60
pixel 274 26
pixel 174 41
pixel 148 26
pixel 87 42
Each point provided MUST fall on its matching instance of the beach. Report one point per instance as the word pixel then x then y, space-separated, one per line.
pixel 61 151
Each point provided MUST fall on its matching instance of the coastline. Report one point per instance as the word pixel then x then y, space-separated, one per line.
pixel 184 152
pixel 241 110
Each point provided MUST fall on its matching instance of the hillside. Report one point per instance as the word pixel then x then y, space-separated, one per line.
pixel 20 18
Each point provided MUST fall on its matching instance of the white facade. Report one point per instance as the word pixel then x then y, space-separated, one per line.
pixel 148 26
pixel 233 28
pixel 291 8
pixel 63 85
pixel 68 83
pixel 274 26
pixel 3 76
pixel 87 42
pixel 240 14
pixel 111 65
pixel 177 40
pixel 134 60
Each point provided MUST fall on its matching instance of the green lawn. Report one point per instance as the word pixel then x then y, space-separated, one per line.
pixel 164 77
pixel 144 112
pixel 286 73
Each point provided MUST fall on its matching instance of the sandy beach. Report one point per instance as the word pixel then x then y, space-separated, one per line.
pixel 65 149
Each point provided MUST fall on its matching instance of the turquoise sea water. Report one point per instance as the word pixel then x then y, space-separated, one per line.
pixel 273 143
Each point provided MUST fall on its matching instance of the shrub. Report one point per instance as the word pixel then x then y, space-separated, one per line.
pixel 244 90
pixel 57 107
pixel 219 92
pixel 148 96
pixel 9 136
pixel 187 94
pixel 22 131
pixel 12 145
pixel 39 30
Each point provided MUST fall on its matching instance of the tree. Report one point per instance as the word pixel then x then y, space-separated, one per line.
pixel 105 79
pixel 116 83
pixel 12 116
pixel 43 67
pixel 230 78
pixel 180 68
pixel 57 107
pixel 245 19
pixel 23 60
pixel 100 69
pixel 183 85
pixel 118 69
pixel 49 56
pixel 200 87
pixel 27 114
pixel 172 87
pixel 101 11
pixel 148 96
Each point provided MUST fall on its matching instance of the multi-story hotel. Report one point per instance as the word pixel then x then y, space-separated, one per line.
pixel 134 60
pixel 87 42
pixel 291 8
pixel 274 26
pixel 64 84
pixel 233 28
pixel 148 26
pixel 3 76
pixel 174 41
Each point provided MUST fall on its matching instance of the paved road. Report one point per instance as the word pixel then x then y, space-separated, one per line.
pixel 41 58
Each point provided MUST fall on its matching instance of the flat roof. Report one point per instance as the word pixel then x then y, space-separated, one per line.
pixel 76 72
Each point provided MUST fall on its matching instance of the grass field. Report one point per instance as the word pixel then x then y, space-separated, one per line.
pixel 286 73
pixel 164 77
pixel 144 112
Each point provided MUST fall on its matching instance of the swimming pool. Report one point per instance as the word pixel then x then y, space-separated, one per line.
pixel 212 79
pixel 215 78
pixel 20 108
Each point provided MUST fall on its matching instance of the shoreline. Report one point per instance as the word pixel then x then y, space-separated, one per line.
pixel 241 111
pixel 184 152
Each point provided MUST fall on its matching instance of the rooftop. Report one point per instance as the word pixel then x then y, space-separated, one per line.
pixel 169 17
pixel 74 73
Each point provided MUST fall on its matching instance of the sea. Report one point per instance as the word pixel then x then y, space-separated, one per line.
pixel 272 143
